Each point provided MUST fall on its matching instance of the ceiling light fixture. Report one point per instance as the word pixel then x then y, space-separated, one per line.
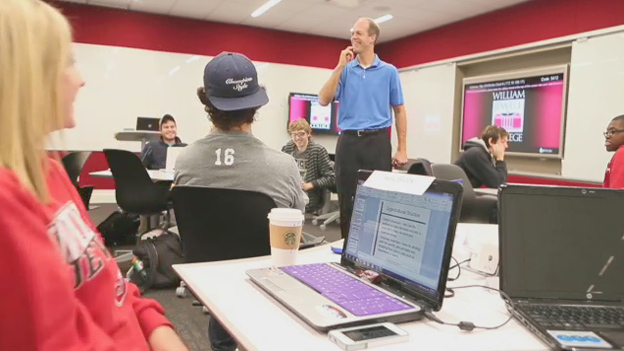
pixel 383 18
pixel 264 8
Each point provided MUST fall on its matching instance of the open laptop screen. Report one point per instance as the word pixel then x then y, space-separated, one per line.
pixel 562 242
pixel 403 236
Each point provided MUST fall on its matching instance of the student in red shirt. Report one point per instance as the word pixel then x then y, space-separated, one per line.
pixel 62 290
pixel 614 139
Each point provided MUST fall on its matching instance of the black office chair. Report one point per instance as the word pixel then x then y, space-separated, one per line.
pixel 221 224
pixel 420 166
pixel 73 163
pixel 135 191
pixel 85 193
pixel 475 209
pixel 327 216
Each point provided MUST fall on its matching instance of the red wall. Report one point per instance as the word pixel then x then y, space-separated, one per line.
pixel 550 181
pixel 524 23
pixel 106 26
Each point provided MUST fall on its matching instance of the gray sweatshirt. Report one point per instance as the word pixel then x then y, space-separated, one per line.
pixel 238 160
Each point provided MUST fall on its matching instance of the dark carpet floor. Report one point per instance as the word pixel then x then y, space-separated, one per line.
pixel 189 320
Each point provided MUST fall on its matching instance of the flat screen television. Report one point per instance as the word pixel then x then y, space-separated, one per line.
pixel 529 104
pixel 322 119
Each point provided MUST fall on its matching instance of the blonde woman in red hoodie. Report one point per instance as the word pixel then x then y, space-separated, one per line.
pixel 62 289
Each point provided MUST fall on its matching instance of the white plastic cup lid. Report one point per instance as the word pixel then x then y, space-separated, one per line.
pixel 286 214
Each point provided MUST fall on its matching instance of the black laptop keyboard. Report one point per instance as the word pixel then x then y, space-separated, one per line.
pixel 571 317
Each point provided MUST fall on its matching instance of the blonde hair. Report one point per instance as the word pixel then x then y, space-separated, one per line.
pixel 35 50
pixel 300 124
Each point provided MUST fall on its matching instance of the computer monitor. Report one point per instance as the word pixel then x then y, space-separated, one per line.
pixel 148 124
pixel 322 119
pixel 529 104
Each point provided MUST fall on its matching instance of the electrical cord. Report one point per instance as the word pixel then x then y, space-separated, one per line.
pixel 467 325
pixel 458 265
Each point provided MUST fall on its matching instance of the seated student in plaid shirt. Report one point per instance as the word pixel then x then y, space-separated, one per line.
pixel 315 167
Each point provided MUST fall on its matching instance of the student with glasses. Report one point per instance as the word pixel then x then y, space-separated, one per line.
pixel 614 139
pixel 315 167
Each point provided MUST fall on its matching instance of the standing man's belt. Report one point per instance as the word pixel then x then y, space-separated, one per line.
pixel 365 132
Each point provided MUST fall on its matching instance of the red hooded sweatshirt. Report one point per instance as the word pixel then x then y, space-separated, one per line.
pixel 62 290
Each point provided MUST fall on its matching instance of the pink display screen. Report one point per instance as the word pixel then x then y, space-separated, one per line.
pixel 322 119
pixel 530 109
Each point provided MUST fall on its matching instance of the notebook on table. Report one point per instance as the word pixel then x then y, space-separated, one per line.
pixel 562 263
pixel 405 238
pixel 172 155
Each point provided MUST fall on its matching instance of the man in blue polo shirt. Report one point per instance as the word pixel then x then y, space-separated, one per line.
pixel 369 91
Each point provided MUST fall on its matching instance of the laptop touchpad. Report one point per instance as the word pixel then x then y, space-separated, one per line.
pixel 287 282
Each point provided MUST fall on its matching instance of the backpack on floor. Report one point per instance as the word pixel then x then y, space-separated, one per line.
pixel 157 256
pixel 119 228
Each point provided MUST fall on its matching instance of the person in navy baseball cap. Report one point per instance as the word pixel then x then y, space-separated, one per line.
pixel 231 83
pixel 230 156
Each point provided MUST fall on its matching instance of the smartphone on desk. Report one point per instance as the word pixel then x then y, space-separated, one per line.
pixel 367 336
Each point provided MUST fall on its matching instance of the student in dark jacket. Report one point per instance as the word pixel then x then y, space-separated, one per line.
pixel 483 158
pixel 154 154
pixel 315 167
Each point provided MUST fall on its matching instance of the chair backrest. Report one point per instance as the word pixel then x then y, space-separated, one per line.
pixel 85 194
pixel 453 172
pixel 73 163
pixel 134 189
pixel 222 224
pixel 420 166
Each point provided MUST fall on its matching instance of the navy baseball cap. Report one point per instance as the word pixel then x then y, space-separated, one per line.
pixel 231 83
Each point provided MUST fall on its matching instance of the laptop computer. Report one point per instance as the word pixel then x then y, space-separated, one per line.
pixel 562 263
pixel 148 124
pixel 172 155
pixel 407 239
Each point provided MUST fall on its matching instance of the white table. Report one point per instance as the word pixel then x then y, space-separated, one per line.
pixel 156 175
pixel 143 136
pixel 258 322
pixel 486 191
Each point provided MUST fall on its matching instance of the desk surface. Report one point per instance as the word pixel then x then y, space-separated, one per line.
pixel 258 322
pixel 158 175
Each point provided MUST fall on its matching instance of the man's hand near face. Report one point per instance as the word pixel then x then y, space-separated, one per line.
pixel 498 150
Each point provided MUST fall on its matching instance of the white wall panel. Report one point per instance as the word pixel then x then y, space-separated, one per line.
pixel 124 83
pixel 595 96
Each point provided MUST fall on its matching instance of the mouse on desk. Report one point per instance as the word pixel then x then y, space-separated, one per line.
pixel 336 249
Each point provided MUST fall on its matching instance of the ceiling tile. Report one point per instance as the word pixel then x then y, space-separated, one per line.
pixel 156 6
pixel 233 11
pixel 312 17
pixel 113 3
pixel 194 8
pixel 278 14
pixel 321 17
